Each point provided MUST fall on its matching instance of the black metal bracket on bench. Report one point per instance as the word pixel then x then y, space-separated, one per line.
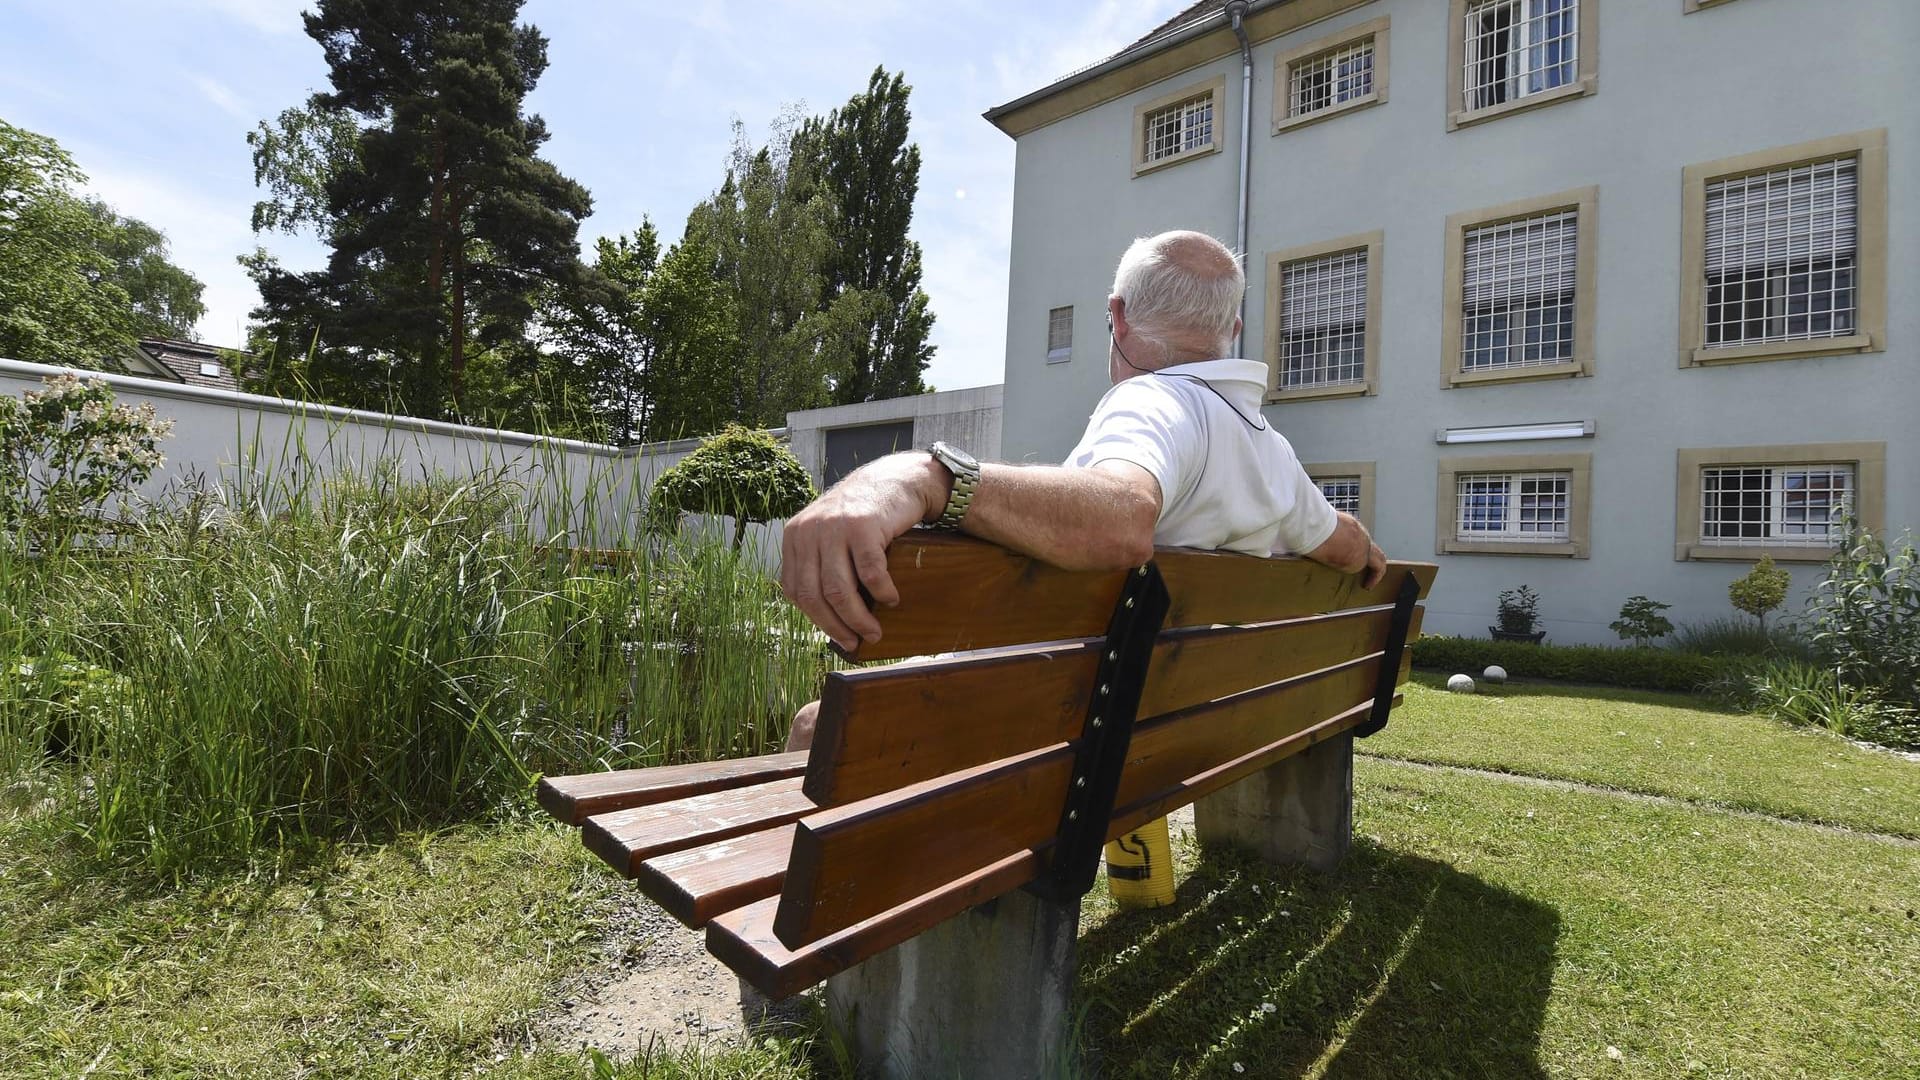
pixel 1390 659
pixel 1104 737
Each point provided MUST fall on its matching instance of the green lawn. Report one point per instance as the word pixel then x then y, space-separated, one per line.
pixel 1483 927
pixel 1660 744
pixel 424 957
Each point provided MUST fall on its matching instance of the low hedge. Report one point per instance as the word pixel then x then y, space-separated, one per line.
pixel 1641 669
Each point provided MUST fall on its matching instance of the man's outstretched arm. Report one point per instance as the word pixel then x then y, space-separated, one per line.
pixel 1080 519
pixel 1350 550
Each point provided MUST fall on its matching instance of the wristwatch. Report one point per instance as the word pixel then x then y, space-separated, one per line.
pixel 966 476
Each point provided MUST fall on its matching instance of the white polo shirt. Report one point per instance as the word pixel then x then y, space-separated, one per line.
pixel 1228 480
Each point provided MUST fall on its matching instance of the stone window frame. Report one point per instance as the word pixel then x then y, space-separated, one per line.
pixel 1579 503
pixel 1216 87
pixel 1869 148
pixel 1869 461
pixel 1374 244
pixel 1284 63
pixel 1586 69
pixel 1364 470
pixel 1688 7
pixel 1585 202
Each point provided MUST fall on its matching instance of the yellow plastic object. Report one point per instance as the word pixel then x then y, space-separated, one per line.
pixel 1140 867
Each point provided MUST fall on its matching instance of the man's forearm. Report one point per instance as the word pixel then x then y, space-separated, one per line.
pixel 1079 519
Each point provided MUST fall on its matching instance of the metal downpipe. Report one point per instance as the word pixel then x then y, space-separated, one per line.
pixel 1237 11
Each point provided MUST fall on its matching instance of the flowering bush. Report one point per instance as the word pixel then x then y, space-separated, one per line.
pixel 66 453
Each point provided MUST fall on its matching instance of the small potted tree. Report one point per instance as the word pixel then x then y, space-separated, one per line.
pixel 1519 612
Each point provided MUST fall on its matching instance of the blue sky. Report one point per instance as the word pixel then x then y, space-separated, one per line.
pixel 154 98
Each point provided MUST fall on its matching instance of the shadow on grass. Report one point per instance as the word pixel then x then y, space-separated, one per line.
pixel 1393 966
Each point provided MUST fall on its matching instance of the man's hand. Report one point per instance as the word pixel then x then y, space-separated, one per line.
pixel 1376 566
pixel 839 542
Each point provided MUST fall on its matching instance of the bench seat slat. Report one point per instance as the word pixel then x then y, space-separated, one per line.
pixel 958 594
pixel 744 938
pixel 845 865
pixel 574 799
pixel 696 884
pixel 883 728
pixel 626 838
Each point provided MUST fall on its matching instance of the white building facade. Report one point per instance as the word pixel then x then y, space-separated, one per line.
pixel 1604 297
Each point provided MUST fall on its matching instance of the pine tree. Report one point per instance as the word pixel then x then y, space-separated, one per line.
pixel 860 155
pixel 445 223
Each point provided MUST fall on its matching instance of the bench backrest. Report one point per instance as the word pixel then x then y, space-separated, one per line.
pixel 942 782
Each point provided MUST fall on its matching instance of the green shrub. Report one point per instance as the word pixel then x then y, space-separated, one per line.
pixel 1646 669
pixel 1732 636
pixel 1519 610
pixel 68 454
pixel 1640 621
pixel 1763 589
pixel 1810 695
pixel 1864 617
pixel 740 473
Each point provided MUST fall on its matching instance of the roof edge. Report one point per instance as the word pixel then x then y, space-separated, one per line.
pixel 1130 55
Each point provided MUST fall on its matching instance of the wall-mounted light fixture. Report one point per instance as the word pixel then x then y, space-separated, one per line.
pixel 1562 429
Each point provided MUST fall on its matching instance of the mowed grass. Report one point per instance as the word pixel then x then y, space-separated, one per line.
pixel 1655 743
pixel 1488 928
pixel 1484 926
pixel 424 957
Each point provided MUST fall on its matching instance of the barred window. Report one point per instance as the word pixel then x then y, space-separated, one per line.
pixel 1179 128
pixel 1060 333
pixel 1798 505
pixel 1515 48
pixel 1517 292
pixel 1331 78
pixel 1780 251
pixel 1323 320
pixel 1513 507
pixel 1342 491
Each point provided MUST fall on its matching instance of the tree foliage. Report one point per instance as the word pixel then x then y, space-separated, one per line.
pixel 1763 589
pixel 860 155
pixel 445 223
pixel 1640 621
pixel 740 473
pixel 80 282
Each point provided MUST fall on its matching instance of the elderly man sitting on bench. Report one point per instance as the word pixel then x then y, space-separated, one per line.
pixel 1177 453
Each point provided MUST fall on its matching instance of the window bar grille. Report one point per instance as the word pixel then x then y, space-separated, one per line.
pixel 1797 505
pixel 1515 48
pixel 1525 507
pixel 1517 292
pixel 1780 254
pixel 1342 491
pixel 1323 320
pixel 1332 77
pixel 1180 127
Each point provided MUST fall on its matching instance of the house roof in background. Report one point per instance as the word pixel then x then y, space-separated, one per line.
pixel 189 362
pixel 1193 11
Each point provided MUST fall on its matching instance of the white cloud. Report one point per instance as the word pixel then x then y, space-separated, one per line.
pixel 223 97
pixel 265 16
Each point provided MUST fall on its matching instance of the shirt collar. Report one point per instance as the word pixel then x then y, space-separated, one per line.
pixel 1243 382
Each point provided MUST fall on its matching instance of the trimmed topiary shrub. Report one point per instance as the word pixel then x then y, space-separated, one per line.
pixel 1643 669
pixel 740 473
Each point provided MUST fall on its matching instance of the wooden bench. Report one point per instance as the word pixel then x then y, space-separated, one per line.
pixel 1074 708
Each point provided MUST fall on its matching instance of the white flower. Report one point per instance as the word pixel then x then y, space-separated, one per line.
pixel 1237 1067
pixel 1614 1053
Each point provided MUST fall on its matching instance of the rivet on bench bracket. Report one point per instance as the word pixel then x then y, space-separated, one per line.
pixel 1101 752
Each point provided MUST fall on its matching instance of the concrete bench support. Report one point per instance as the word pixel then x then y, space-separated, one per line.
pixel 1299 810
pixel 979 997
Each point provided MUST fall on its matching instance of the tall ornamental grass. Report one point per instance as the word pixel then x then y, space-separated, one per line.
pixel 374 654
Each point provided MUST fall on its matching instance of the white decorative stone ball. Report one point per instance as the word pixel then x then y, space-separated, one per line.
pixel 1495 674
pixel 1460 684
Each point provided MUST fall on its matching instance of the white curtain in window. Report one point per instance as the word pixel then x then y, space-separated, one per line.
pixel 1804 213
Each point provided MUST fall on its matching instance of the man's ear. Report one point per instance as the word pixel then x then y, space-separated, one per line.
pixel 1117 315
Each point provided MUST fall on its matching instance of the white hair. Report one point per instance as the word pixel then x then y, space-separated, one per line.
pixel 1181 285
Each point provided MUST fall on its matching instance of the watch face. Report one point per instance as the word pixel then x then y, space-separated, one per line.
pixel 957 456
